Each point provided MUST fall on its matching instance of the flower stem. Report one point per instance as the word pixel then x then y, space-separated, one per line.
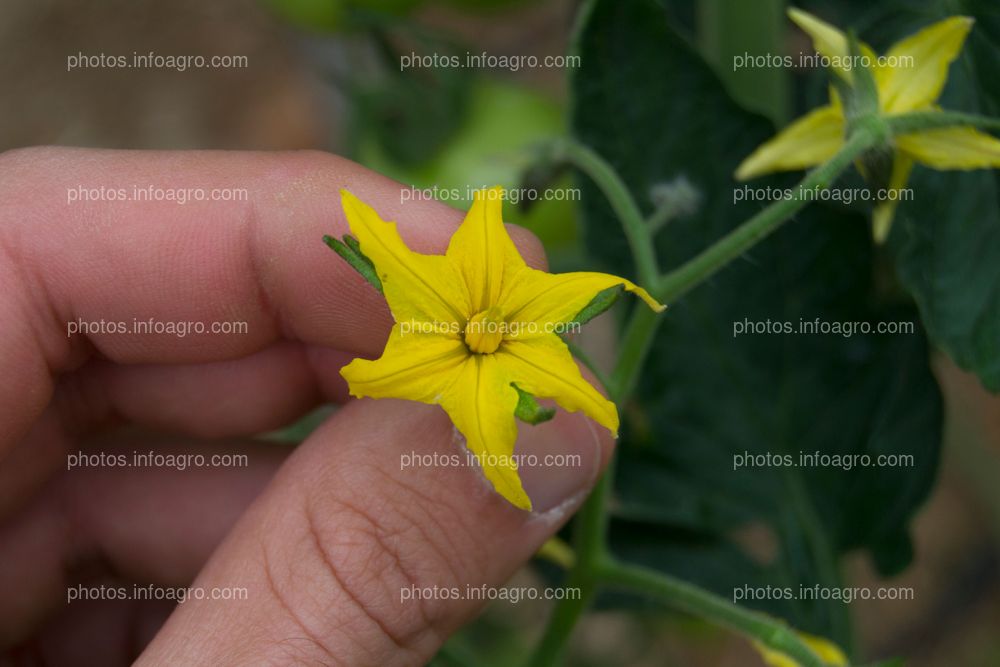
pixel 930 120
pixel 591 365
pixel 589 536
pixel 635 345
pixel 621 201
pixel 680 595
pixel 704 265
pixel 593 563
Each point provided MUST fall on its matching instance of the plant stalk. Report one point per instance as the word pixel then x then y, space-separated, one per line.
pixel 704 265
pixel 680 595
pixel 621 201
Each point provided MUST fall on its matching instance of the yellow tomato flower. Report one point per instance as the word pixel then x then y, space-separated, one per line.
pixel 910 78
pixel 824 649
pixel 472 323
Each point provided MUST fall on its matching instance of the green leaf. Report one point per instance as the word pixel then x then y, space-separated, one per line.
pixel 650 106
pixel 350 250
pixel 946 242
pixel 529 411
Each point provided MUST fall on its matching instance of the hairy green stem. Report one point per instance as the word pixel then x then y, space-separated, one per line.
pixel 680 595
pixel 594 564
pixel 590 540
pixel 931 120
pixel 621 201
pixel 635 345
pixel 591 524
pixel 591 365
pixel 704 265
pixel 823 556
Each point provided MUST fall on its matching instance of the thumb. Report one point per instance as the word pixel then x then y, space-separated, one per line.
pixel 374 542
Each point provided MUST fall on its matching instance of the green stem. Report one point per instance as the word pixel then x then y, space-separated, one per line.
pixel 590 527
pixel 823 556
pixel 587 361
pixel 567 612
pixel 590 538
pixel 635 345
pixel 659 218
pixel 704 265
pixel 685 597
pixel 930 120
pixel 456 653
pixel 621 201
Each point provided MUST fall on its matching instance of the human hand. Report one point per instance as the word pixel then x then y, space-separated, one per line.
pixel 343 551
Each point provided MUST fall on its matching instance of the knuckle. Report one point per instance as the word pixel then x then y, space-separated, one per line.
pixel 359 559
pixel 370 563
pixel 383 570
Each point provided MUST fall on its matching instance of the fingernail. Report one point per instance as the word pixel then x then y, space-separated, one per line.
pixel 560 460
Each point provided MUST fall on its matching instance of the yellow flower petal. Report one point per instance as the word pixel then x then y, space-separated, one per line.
pixel 808 141
pixel 483 251
pixel 830 42
pixel 824 649
pixel 545 299
pixel 544 367
pixel 414 366
pixel 952 148
pixel 481 404
pixel 424 288
pixel 929 53
pixel 481 280
pixel 885 211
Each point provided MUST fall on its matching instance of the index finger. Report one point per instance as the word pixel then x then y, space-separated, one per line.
pixel 91 236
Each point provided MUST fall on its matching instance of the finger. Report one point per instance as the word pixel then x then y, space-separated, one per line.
pixel 258 265
pixel 226 399
pixel 108 632
pixel 337 554
pixel 240 397
pixel 146 519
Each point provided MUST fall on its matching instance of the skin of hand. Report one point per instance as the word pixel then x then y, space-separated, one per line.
pixel 346 555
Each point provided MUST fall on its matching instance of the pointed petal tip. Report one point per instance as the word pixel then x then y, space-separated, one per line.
pixel 795 13
pixel 492 193
pixel 804 19
pixel 958 23
pixel 509 490
pixel 881 224
pixel 655 305
pixel 744 172
pixel 350 202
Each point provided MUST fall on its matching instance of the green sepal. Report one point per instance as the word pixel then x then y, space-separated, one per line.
pixel 528 410
pixel 861 107
pixel 862 99
pixel 350 250
pixel 355 245
pixel 600 303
